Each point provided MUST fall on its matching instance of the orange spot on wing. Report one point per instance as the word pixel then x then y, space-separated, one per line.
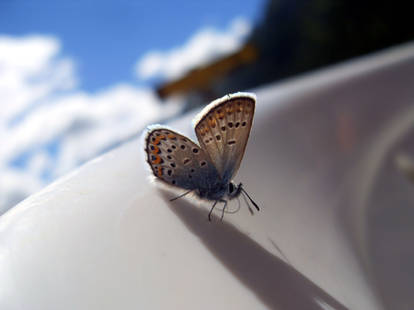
pixel 158 139
pixel 171 136
pixel 156 150
pixel 159 171
pixel 157 160
pixel 212 123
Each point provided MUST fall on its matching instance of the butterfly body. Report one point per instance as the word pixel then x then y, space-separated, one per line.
pixel 207 169
pixel 219 191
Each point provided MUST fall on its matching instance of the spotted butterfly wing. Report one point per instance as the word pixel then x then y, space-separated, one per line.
pixel 223 129
pixel 178 161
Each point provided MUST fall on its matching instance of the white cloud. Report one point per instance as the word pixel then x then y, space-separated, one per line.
pixel 30 69
pixel 48 126
pixel 205 46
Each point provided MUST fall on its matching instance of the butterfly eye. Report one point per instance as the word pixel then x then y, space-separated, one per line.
pixel 231 187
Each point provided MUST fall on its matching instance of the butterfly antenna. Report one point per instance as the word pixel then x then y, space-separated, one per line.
pixel 212 208
pixel 252 201
pixel 248 204
pixel 182 195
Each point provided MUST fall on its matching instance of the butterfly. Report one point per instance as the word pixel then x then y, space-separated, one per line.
pixel 222 129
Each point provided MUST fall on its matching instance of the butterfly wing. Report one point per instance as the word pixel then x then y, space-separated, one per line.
pixel 223 129
pixel 178 161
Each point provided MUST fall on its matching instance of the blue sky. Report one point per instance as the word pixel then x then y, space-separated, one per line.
pixel 78 77
pixel 106 37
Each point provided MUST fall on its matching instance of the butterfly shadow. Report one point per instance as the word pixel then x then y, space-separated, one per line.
pixel 275 282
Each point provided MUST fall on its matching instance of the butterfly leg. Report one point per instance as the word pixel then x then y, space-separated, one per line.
pixel 212 208
pixel 182 195
pixel 224 208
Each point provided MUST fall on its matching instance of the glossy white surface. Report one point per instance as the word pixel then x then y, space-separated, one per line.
pixel 321 164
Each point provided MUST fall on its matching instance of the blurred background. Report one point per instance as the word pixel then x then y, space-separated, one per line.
pixel 81 77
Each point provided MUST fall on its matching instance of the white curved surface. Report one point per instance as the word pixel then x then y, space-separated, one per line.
pixel 105 238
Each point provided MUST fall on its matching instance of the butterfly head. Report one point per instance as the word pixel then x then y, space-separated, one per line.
pixel 234 190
